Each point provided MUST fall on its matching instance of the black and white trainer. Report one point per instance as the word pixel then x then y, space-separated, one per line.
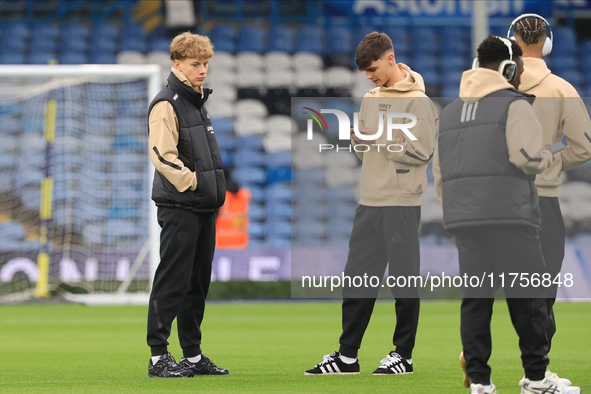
pixel 394 364
pixel 203 367
pixel 166 367
pixel 333 365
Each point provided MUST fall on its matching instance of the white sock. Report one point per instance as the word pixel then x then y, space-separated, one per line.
pixel 195 359
pixel 155 359
pixel 488 387
pixel 348 360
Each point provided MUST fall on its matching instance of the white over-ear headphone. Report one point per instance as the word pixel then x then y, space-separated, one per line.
pixel 547 48
pixel 508 68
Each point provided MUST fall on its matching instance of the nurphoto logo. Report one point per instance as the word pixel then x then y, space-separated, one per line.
pixel 367 134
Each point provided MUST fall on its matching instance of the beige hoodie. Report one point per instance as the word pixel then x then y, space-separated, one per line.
pixel 561 112
pixel 164 135
pixel 390 178
pixel 523 130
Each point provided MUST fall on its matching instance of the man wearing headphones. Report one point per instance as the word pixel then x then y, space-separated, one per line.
pixel 489 148
pixel 562 113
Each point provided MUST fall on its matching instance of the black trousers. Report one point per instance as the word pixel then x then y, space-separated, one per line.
pixel 502 249
pixel 552 240
pixel 381 235
pixel 181 282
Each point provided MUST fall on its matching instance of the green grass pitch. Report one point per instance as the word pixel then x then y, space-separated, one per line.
pixel 266 346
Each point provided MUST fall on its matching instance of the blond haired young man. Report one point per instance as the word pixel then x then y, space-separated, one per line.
pixel 562 113
pixel 385 228
pixel 189 188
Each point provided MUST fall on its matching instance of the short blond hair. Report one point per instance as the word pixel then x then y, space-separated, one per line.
pixel 189 45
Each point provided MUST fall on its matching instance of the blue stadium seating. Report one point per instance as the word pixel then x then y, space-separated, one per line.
pixel 310 39
pixel 222 126
pixel 223 38
pixel 279 192
pixel 278 159
pixel 339 41
pixel 247 159
pixel 278 212
pixel 134 43
pixel 256 212
pixel 103 58
pixel 278 174
pixel 160 44
pixel 251 142
pixel 248 176
pixel 281 39
pixel 251 39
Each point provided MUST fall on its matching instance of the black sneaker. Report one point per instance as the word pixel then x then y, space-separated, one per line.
pixel 333 365
pixel 203 367
pixel 394 364
pixel 166 367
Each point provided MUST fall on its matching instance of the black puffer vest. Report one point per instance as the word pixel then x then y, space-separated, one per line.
pixel 197 149
pixel 480 185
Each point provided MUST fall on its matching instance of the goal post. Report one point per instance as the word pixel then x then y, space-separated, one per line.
pixel 75 179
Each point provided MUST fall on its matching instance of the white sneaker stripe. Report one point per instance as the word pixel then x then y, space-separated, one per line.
pixel 403 367
pixel 322 369
pixel 336 367
pixel 328 368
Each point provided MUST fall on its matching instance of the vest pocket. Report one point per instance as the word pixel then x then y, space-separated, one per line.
pixel 205 193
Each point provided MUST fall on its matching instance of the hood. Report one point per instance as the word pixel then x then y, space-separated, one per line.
pixel 481 82
pixel 534 73
pixel 412 82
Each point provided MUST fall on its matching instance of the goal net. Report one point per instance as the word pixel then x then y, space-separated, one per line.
pixel 75 180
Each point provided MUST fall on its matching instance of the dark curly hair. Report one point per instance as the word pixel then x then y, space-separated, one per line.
pixel 493 50
pixel 530 30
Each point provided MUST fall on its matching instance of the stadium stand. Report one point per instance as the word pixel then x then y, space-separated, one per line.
pixel 254 73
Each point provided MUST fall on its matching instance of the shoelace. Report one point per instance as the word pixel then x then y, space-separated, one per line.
pixel 326 359
pixel 389 360
pixel 552 377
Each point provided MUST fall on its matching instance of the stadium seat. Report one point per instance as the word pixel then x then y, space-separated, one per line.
pixel 247 176
pixel 278 212
pixel 307 61
pixel 275 61
pixel 103 58
pixel 254 79
pixel 226 142
pixel 222 126
pixel 275 143
pixel 104 44
pixel 222 62
pixel 279 79
pixel 79 31
pixel 223 38
pixel 250 108
pixel 131 57
pixel 339 41
pixel 250 125
pixel 134 44
pixel 338 77
pixel 244 158
pixel 256 212
pixel 251 38
pixel 281 38
pixel 278 174
pixel 309 79
pixel 310 39
pixel 280 124
pixel 73 58
pixel 42 57
pixel 250 61
pixel 250 142
pixel 220 108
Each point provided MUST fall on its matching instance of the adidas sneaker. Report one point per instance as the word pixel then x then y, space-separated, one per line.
pixel 546 386
pixel 333 365
pixel 394 364
pixel 467 380
pixel 166 367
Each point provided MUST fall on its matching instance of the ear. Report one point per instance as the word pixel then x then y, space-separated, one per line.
pixel 177 64
pixel 390 58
